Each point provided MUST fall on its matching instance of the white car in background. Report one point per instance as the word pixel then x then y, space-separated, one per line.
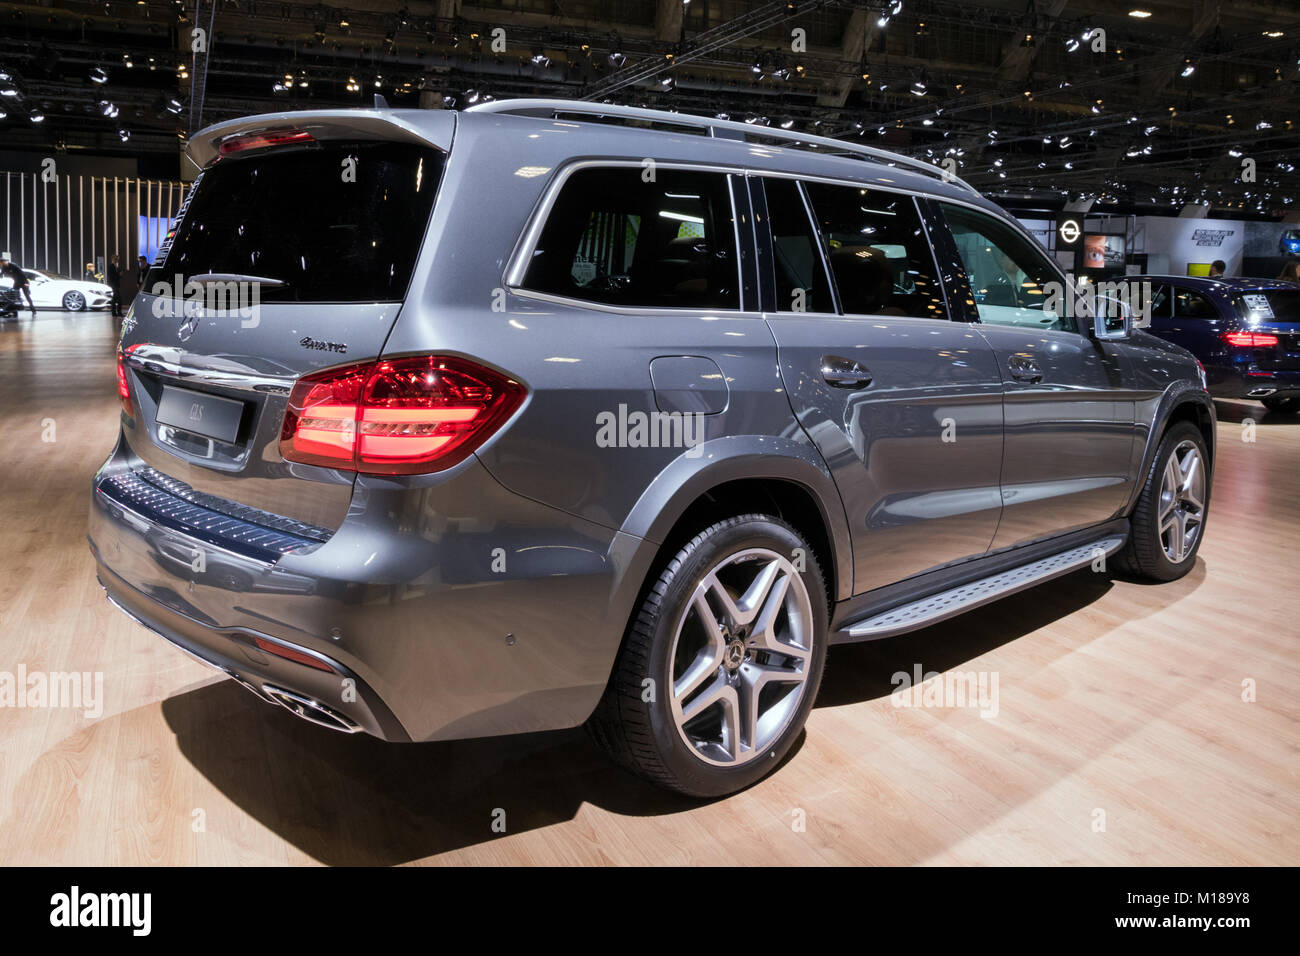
pixel 52 291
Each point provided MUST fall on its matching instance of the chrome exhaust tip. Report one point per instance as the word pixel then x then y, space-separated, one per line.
pixel 1260 392
pixel 311 710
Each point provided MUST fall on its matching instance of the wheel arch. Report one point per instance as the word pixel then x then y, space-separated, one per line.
pixel 1185 402
pixel 728 476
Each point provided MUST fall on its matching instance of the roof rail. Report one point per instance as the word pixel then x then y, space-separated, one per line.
pixel 729 129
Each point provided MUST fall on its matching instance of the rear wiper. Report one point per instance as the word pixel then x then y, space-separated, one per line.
pixel 238 277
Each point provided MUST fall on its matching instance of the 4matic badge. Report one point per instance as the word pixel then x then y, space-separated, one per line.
pixel 317 345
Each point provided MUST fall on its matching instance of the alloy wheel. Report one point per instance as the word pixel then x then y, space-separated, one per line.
pixel 1182 501
pixel 740 657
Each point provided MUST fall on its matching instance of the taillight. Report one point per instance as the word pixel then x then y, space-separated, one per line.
pixel 283 137
pixel 1250 339
pixel 402 416
pixel 123 386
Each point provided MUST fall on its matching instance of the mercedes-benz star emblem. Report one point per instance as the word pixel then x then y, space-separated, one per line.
pixel 188 326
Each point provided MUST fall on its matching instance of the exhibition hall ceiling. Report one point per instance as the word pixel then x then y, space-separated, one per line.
pixel 1155 103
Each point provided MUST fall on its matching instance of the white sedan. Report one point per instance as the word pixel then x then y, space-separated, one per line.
pixel 52 291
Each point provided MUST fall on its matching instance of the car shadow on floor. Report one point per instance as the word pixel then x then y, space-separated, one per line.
pixel 355 800
pixel 1236 411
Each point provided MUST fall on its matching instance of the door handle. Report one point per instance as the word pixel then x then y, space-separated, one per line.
pixel 841 372
pixel 1024 369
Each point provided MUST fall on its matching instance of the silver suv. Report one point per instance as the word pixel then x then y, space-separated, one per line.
pixel 440 425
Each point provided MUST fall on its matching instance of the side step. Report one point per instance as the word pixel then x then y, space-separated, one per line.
pixel 946 604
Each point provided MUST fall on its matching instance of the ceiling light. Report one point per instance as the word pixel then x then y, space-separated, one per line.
pixel 1139 14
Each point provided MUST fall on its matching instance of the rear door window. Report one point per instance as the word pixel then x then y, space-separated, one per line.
pixel 1189 304
pixel 615 238
pixel 801 281
pixel 879 253
pixel 334 222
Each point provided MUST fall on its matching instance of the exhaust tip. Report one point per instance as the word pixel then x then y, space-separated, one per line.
pixel 1260 392
pixel 311 710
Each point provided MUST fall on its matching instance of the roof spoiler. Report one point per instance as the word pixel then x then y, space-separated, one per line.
pixel 423 127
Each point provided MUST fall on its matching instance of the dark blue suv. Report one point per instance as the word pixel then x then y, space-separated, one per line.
pixel 1246 332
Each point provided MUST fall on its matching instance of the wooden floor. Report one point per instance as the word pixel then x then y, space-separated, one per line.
pixel 1121 736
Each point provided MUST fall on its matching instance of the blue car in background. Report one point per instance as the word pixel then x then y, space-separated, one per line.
pixel 1289 244
pixel 1245 332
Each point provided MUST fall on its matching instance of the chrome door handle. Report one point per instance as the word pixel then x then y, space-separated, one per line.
pixel 1024 369
pixel 841 372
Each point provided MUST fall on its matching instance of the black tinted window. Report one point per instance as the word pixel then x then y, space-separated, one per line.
pixel 337 223
pixel 1272 305
pixel 612 237
pixel 1193 305
pixel 801 282
pixel 1160 298
pixel 879 253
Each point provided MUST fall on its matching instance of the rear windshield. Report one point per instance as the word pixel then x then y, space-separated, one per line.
pixel 335 222
pixel 1280 305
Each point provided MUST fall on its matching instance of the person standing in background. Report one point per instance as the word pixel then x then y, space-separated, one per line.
pixel 90 273
pixel 1291 271
pixel 141 270
pixel 10 270
pixel 115 283
pixel 1217 268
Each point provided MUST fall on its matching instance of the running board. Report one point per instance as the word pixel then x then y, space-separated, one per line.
pixel 946 604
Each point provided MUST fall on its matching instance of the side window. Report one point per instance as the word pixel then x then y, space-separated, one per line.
pixel 1009 275
pixel 879 254
pixel 1193 305
pixel 1160 296
pixel 801 281
pixel 615 239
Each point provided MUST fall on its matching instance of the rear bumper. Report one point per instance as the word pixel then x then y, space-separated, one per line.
pixel 1235 383
pixel 343 701
pixel 451 608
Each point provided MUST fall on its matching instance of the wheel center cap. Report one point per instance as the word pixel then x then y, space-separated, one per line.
pixel 734 655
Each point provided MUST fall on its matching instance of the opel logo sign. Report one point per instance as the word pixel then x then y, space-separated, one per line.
pixel 1070 231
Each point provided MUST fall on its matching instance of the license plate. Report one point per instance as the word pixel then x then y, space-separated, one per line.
pixel 200 413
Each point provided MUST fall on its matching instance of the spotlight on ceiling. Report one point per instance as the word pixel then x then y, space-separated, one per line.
pixel 98 75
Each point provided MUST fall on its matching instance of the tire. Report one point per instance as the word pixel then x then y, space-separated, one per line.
pixel 74 301
pixel 669 643
pixel 1158 555
pixel 1287 406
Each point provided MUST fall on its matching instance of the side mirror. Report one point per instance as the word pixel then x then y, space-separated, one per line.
pixel 1111 318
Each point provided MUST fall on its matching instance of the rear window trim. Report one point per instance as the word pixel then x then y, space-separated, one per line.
pixel 526 247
